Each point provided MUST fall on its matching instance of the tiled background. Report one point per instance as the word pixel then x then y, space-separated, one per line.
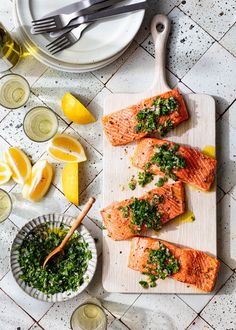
pixel 201 58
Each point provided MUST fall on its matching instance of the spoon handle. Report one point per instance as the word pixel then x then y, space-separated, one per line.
pixel 78 221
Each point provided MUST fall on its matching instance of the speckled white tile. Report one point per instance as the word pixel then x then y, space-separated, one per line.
pixel 233 192
pixel 219 194
pixel 216 17
pixel 92 133
pixel 7 234
pixel 220 313
pixel 6 15
pixel 226 235
pixel 229 40
pixel 31 305
pixel 199 324
pixel 12 317
pixel 52 85
pixel 117 325
pixel 132 78
pixel 158 312
pixel 3 112
pixel 104 74
pixel 94 189
pixel 116 303
pixel 186 44
pixel 214 74
pixel 183 88
pixel 30 68
pixel 23 210
pixel 226 151
pixel 154 7
pixel 36 327
pixel 198 301
pixel 95 231
pixel 58 317
pixel 11 129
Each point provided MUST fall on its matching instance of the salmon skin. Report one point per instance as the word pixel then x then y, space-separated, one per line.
pixel 199 171
pixel 168 200
pixel 120 126
pixel 196 268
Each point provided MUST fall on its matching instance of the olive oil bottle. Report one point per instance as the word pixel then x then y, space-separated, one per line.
pixel 10 50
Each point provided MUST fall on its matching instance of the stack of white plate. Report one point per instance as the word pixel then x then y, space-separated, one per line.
pixel 101 43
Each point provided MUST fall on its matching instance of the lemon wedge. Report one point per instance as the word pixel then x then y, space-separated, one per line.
pixel 5 173
pixel 75 111
pixel 39 182
pixel 19 164
pixel 70 182
pixel 66 148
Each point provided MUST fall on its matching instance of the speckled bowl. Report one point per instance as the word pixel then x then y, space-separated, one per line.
pixel 54 221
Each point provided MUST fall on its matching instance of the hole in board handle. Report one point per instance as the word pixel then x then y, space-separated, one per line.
pixel 160 27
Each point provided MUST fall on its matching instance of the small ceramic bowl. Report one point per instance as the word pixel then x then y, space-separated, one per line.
pixel 54 221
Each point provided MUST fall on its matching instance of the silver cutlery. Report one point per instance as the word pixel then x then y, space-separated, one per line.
pixel 69 38
pixel 61 20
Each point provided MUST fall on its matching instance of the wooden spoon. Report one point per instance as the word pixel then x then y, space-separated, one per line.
pixel 75 225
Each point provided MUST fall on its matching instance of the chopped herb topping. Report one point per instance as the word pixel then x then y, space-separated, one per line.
pixel 133 183
pixel 64 272
pixel 144 178
pixel 168 159
pixel 161 262
pixel 148 119
pixel 125 210
pixel 144 284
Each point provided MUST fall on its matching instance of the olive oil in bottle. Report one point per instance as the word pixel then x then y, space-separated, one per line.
pixel 10 50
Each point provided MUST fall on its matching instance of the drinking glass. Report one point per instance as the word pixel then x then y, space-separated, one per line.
pixel 5 205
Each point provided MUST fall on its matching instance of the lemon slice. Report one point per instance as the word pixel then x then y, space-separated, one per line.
pixel 19 164
pixel 70 182
pixel 75 111
pixel 67 149
pixel 5 173
pixel 39 182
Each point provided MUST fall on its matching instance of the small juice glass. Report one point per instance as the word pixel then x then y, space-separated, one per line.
pixel 40 124
pixel 89 316
pixel 14 91
pixel 5 205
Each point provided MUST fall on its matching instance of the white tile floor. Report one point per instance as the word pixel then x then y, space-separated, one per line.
pixel 201 58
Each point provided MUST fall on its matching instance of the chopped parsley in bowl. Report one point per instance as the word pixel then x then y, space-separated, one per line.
pixel 65 275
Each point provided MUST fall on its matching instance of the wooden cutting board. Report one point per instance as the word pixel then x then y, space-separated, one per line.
pixel 198 131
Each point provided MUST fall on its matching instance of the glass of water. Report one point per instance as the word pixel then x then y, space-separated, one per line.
pixel 40 124
pixel 89 316
pixel 14 91
pixel 5 205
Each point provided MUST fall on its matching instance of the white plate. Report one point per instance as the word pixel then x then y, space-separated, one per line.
pixel 53 220
pixel 101 41
pixel 54 63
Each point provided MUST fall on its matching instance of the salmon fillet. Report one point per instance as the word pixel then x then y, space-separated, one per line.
pixel 196 267
pixel 200 169
pixel 120 227
pixel 119 126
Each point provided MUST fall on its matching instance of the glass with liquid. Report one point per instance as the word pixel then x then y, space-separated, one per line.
pixel 5 205
pixel 88 316
pixel 14 91
pixel 40 124
pixel 10 50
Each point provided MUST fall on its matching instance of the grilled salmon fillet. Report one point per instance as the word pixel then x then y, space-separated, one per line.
pixel 200 169
pixel 196 267
pixel 120 227
pixel 119 126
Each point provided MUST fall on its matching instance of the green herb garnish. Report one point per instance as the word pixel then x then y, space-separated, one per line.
pixel 149 118
pixel 64 272
pixel 161 264
pixel 144 178
pixel 133 183
pixel 169 160
pixel 144 284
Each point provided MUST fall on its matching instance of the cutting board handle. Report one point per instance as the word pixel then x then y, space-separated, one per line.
pixel 160 28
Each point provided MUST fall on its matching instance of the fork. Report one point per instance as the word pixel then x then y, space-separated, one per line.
pixel 58 22
pixel 69 38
